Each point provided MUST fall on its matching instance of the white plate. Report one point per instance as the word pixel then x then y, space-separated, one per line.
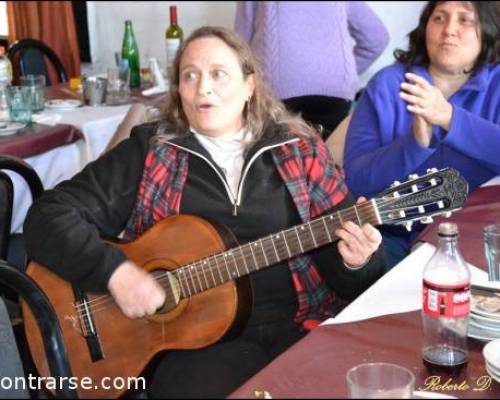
pixel 486 305
pixel 484 322
pixel 9 128
pixel 482 334
pixel 492 374
pixel 493 369
pixel 491 353
pixel 63 104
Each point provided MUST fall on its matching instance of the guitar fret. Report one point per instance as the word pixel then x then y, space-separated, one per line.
pixel 211 272
pixel 244 259
pixel 357 215
pixel 178 276
pixel 191 278
pixel 218 270
pixel 276 251
pixel 326 229
pixel 340 217
pixel 234 275
pixel 186 280
pixel 198 277
pixel 286 244
pixel 201 267
pixel 298 239
pixel 254 259
pixel 312 235
pixel 227 268
pixel 264 252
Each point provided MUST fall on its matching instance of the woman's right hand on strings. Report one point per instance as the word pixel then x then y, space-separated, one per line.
pixel 135 291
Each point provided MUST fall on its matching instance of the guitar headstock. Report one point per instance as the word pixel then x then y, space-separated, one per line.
pixel 421 198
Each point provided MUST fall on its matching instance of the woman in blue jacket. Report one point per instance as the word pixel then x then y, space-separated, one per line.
pixel 438 106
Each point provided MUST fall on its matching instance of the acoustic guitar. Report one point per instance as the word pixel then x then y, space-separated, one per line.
pixel 205 277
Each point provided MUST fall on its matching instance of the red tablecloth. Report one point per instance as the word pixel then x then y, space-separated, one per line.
pixel 316 366
pixel 38 138
pixel 481 208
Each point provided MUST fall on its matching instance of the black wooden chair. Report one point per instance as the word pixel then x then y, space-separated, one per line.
pixel 11 357
pixel 27 57
pixel 12 246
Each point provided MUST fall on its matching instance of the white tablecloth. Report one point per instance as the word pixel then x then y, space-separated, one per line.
pixel 97 124
pixel 398 291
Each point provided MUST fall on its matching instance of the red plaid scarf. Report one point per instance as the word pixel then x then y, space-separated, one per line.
pixel 310 175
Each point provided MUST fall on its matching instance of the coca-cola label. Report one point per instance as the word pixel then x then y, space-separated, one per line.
pixel 448 301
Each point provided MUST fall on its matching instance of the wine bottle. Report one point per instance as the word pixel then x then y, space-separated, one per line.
pixel 174 37
pixel 130 52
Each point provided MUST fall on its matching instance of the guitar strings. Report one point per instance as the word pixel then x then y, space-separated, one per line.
pixel 198 273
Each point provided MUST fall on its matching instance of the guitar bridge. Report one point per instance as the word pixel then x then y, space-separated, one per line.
pixel 87 325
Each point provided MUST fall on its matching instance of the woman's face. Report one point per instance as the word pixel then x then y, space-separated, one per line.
pixel 212 88
pixel 453 37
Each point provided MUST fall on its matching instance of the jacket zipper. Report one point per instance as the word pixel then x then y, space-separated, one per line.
pixel 234 201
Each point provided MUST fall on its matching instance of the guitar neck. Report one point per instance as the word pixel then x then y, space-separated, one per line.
pixel 267 251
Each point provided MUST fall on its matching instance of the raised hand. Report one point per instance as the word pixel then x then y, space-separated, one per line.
pixel 426 101
pixel 357 243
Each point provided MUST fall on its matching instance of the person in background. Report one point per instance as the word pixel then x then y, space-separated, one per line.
pixel 225 150
pixel 313 52
pixel 436 107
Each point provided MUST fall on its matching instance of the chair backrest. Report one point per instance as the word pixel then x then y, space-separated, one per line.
pixel 11 366
pixel 6 202
pixel 55 349
pixel 27 57
pixel 34 183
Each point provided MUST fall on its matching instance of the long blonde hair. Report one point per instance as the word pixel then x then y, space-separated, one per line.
pixel 259 110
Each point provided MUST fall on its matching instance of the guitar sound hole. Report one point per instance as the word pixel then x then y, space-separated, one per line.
pixel 172 289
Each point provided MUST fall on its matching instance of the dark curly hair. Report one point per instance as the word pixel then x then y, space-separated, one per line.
pixel 488 15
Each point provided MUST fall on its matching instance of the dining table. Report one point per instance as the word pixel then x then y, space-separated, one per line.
pixel 384 325
pixel 62 141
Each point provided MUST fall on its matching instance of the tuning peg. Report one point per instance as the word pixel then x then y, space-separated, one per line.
pixel 395 183
pixel 427 220
pixel 408 225
pixel 412 177
pixel 447 214
pixel 432 170
pixel 421 209
pixel 440 204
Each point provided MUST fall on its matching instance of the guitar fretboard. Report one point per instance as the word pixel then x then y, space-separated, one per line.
pixel 267 251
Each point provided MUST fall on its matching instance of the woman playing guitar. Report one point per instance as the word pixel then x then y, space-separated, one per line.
pixel 225 151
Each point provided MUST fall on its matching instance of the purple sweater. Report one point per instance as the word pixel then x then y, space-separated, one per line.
pixel 306 48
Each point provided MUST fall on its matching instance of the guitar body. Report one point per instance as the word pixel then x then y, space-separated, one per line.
pixel 128 345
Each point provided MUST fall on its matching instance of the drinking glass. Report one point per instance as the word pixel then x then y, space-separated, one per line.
pixel 492 250
pixel 118 89
pixel 19 103
pixel 94 89
pixel 379 380
pixel 36 84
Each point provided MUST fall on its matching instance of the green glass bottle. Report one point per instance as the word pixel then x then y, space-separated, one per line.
pixel 130 52
pixel 174 37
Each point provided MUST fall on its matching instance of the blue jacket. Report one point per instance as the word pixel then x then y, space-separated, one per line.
pixel 380 146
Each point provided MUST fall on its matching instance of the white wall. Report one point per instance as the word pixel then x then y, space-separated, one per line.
pixel 151 18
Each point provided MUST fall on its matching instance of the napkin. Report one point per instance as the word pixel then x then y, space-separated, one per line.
pixel 47 119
